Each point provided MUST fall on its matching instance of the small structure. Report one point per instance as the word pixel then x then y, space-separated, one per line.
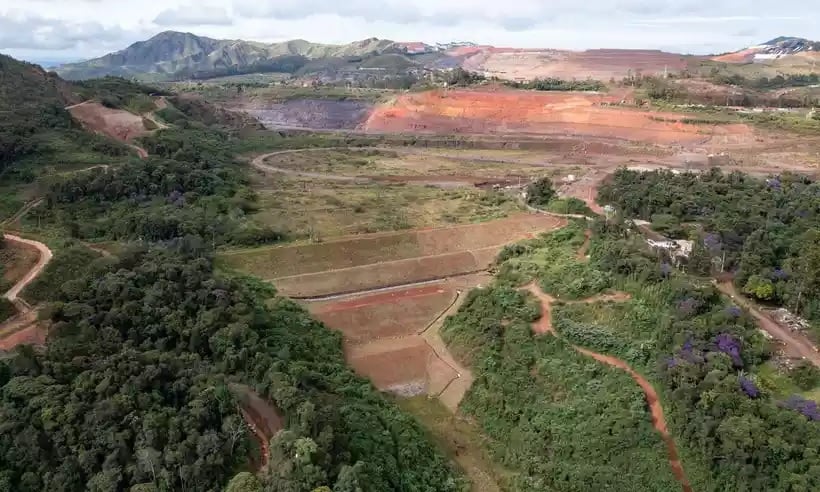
pixel 677 249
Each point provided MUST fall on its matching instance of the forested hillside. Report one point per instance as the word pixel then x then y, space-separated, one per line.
pixel 561 422
pixel 765 231
pixel 135 389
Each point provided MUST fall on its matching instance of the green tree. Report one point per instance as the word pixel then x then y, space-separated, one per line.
pixel 540 192
pixel 759 288
pixel 244 482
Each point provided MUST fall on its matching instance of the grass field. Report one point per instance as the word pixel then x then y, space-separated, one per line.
pixel 306 208
pixel 461 439
pixel 315 208
pixel 422 162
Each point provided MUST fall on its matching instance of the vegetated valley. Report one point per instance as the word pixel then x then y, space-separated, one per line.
pixel 502 286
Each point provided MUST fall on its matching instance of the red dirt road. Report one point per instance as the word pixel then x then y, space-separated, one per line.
pixel 796 344
pixel 544 325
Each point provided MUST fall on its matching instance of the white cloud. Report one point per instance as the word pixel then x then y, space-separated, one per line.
pixel 86 28
pixel 194 15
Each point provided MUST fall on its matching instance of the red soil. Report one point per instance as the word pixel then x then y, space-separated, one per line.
pixel 391 297
pixel 395 363
pixel 115 123
pixel 655 408
pixel 31 335
pixel 742 56
pixel 397 314
pixel 530 112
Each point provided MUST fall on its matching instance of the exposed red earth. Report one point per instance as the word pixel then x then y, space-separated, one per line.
pixel 538 113
pixel 115 123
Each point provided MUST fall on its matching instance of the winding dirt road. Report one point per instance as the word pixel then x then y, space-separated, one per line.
pixel 544 325
pixel 45 257
pixel 22 328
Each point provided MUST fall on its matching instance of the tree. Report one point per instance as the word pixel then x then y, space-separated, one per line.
pixel 244 482
pixel 540 192
pixel 759 288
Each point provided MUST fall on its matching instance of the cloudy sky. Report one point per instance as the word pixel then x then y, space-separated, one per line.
pixel 58 30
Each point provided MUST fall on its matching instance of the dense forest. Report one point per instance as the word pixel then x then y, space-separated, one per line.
pixel 133 386
pixel 764 231
pixel 734 429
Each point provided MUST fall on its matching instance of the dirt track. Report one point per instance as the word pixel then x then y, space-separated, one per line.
pixel 796 344
pixel 544 325
pixel 45 257
pixel 23 327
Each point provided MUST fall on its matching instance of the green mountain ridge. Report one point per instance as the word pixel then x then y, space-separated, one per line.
pixel 173 54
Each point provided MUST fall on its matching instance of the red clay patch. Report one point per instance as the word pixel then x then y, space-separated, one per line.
pixel 540 113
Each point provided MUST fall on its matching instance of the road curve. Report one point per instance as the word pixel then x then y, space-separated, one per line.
pixel 45 257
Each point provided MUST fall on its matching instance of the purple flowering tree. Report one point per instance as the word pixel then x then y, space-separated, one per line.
pixel 749 387
pixel 733 311
pixel 730 346
pixel 807 408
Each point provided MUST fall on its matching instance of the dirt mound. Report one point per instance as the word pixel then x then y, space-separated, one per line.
pixel 320 114
pixel 116 123
pixel 537 113
pixel 601 64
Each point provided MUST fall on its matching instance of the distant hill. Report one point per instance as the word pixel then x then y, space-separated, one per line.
pixel 771 50
pixel 170 55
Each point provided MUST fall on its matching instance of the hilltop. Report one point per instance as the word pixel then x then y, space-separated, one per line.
pixel 774 49
pixel 171 55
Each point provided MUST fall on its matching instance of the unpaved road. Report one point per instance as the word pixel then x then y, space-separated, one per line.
pixel 45 257
pixel 544 325
pixel 22 328
pixel 796 344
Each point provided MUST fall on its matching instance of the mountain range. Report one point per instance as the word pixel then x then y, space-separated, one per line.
pixel 174 55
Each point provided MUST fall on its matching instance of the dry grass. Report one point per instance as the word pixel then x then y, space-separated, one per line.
pixel 461 439
pixel 311 208
pixel 300 259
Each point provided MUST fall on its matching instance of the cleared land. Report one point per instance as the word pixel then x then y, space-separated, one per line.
pixel 384 259
pixel 539 113
pixel 325 193
pixel 116 123
pixel 600 64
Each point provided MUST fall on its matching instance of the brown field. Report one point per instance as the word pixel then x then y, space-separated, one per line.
pixel 284 261
pixel 389 315
pixel 387 273
pixel 539 113
pixel 406 366
pixel 116 123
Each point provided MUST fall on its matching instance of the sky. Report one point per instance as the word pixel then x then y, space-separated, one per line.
pixel 64 30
